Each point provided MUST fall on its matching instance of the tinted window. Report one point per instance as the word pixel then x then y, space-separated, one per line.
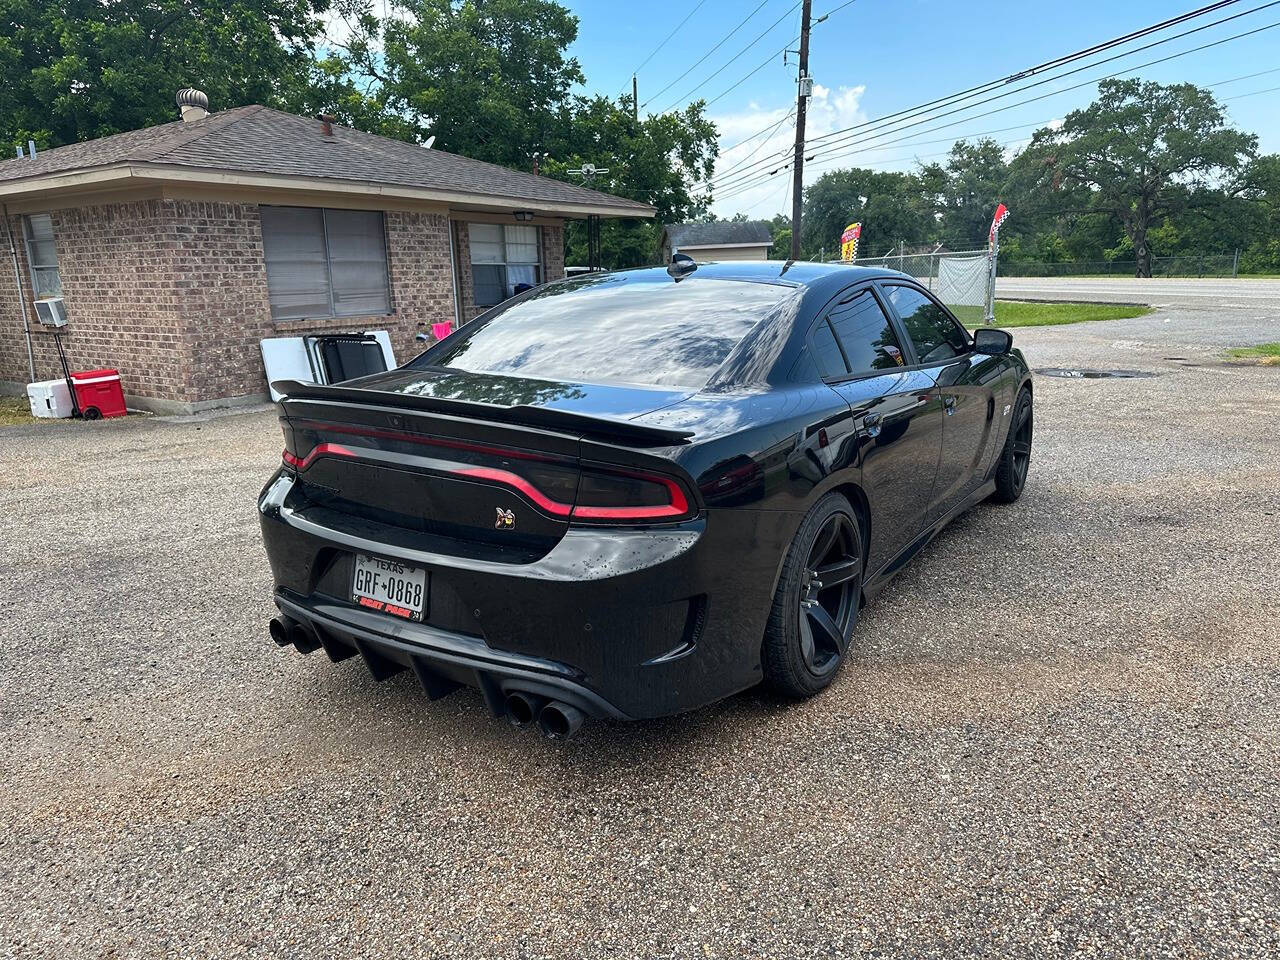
pixel 614 328
pixel 933 333
pixel 866 334
pixel 830 362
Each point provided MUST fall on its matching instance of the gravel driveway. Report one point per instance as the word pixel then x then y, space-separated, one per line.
pixel 1060 732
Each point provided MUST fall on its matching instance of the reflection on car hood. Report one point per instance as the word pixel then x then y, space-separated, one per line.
pixel 591 399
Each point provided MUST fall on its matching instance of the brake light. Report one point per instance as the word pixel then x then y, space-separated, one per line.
pixel 631 497
pixel 319 450
pixel 554 484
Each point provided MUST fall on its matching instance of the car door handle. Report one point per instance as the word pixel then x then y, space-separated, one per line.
pixel 949 401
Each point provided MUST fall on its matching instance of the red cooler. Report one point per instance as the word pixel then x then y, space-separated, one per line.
pixel 98 393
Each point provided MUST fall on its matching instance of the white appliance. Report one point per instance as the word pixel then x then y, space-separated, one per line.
pixel 51 311
pixel 50 399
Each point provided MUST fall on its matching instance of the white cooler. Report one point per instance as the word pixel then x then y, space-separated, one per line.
pixel 49 398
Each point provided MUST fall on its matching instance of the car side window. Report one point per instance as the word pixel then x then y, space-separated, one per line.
pixel 865 333
pixel 932 331
pixel 827 352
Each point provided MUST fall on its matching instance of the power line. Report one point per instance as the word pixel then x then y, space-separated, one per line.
pixel 1241 96
pixel 732 59
pixel 1059 61
pixel 1054 93
pixel 771 132
pixel 971 92
pixel 655 50
pixel 884 126
pixel 749 181
pixel 1247 76
pixel 743 79
pixel 756 134
pixel 741 23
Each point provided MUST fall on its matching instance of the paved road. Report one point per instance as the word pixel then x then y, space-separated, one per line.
pixel 1241 293
pixel 1059 734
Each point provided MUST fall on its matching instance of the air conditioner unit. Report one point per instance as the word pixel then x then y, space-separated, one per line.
pixel 51 311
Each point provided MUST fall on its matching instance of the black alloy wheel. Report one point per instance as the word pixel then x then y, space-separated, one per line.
pixel 816 603
pixel 828 601
pixel 1015 458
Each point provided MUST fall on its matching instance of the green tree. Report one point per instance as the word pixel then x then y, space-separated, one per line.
pixel 1261 189
pixel 78 69
pixel 967 189
pixel 490 79
pixel 1137 149
pixel 653 160
pixel 892 206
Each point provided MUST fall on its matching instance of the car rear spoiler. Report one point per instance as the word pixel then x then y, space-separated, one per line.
pixel 546 418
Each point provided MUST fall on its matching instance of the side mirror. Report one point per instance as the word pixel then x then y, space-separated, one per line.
pixel 991 341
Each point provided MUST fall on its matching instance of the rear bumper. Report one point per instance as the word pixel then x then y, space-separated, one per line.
pixel 441 661
pixel 621 623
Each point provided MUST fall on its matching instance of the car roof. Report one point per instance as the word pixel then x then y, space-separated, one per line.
pixel 802 273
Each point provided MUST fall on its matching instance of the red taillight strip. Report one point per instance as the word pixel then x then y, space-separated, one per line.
pixel 677 507
pixel 320 449
pixel 516 482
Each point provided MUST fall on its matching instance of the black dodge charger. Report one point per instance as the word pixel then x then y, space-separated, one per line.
pixel 626 495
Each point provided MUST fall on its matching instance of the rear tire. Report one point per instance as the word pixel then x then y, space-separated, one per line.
pixel 815 606
pixel 1015 458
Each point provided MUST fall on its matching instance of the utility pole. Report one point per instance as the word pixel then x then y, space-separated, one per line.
pixel 804 89
pixel 635 100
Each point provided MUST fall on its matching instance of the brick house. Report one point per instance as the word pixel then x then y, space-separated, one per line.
pixel 177 248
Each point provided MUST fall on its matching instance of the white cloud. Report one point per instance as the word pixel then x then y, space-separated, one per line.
pixel 773 133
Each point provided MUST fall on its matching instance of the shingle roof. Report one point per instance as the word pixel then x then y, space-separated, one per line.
pixel 259 140
pixel 718 233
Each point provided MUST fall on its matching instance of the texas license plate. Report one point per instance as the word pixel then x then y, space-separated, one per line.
pixel 389 586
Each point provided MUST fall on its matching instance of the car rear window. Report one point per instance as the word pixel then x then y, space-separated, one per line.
pixel 614 328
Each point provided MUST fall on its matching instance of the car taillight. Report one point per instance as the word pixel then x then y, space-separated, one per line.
pixel 319 450
pixel 607 497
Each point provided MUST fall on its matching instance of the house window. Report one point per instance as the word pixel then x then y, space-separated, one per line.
pixel 42 255
pixel 503 257
pixel 325 263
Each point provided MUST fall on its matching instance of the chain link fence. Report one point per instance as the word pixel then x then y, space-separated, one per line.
pixel 1209 265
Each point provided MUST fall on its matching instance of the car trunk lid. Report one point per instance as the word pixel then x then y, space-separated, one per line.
pixel 478 465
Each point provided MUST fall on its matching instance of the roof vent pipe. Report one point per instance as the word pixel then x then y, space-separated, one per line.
pixel 193 104
pixel 327 119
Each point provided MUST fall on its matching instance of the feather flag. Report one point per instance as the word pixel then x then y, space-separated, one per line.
pixel 849 242
pixel 1002 214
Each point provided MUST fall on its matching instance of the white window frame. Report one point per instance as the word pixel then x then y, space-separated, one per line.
pixel 328 266
pixel 505 263
pixel 36 269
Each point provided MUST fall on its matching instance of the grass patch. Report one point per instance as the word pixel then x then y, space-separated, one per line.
pixel 15 411
pixel 1267 354
pixel 1022 313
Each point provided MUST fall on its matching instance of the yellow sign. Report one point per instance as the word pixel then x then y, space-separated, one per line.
pixel 849 242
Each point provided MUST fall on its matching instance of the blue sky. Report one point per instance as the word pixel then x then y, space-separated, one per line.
pixel 874 57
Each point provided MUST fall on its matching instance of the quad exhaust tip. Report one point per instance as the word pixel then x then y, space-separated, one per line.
pixel 559 721
pixel 556 720
pixel 288 632
pixel 524 708
pixel 279 630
